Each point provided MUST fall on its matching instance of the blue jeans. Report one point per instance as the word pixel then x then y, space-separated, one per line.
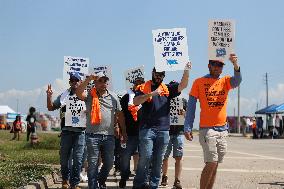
pixel 125 157
pixel 175 143
pixel 97 143
pixel 152 147
pixel 71 144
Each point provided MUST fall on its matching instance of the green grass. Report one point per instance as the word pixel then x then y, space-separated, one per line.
pixel 21 163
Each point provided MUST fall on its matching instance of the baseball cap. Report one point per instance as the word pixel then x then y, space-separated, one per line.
pixel 75 75
pixel 102 75
pixel 216 61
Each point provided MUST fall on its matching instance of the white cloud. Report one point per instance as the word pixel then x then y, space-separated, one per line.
pixel 34 97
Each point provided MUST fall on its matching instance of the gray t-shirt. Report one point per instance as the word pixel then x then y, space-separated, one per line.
pixel 109 105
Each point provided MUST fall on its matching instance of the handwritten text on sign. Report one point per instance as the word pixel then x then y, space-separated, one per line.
pixel 170 48
pixel 221 38
pixel 75 64
pixel 176 107
pixel 132 74
pixel 75 112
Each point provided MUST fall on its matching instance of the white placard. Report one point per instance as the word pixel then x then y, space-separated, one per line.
pixel 106 70
pixel 176 106
pixel 170 49
pixel 221 39
pixel 75 115
pixel 131 74
pixel 75 64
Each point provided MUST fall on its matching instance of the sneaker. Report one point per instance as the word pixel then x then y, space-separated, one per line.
pixel 85 178
pixel 65 184
pixel 81 176
pixel 164 180
pixel 102 186
pixel 122 183
pixel 177 184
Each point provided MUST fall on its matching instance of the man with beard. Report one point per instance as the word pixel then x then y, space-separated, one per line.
pixel 212 92
pixel 155 98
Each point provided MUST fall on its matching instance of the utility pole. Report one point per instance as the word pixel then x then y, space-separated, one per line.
pixel 239 118
pixel 266 83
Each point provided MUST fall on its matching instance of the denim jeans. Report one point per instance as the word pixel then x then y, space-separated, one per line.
pixel 99 144
pixel 71 144
pixel 175 143
pixel 152 147
pixel 125 157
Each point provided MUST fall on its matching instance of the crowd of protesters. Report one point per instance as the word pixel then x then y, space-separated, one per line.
pixel 141 122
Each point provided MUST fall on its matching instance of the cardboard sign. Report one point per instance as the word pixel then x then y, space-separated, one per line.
pixel 75 64
pixel 132 74
pixel 176 105
pixel 75 115
pixel 221 39
pixel 170 49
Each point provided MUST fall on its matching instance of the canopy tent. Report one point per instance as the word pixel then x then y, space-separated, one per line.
pixel 272 109
pixel 266 110
pixel 277 110
pixel 6 109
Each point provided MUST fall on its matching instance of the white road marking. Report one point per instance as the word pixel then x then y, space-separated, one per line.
pixel 240 157
pixel 261 156
pixel 233 170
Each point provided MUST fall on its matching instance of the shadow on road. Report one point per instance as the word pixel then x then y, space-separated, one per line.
pixel 274 183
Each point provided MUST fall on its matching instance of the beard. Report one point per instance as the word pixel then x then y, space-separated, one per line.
pixel 156 82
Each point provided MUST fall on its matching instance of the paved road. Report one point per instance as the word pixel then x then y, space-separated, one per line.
pixel 249 164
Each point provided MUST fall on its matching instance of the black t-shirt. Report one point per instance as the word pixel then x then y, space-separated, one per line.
pixel 156 113
pixel 31 119
pixel 132 127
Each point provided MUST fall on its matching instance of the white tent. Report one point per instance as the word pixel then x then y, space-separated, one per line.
pixel 6 109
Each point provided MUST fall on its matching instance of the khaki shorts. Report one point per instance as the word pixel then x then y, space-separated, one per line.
pixel 214 144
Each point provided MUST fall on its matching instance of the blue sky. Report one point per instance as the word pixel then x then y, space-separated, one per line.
pixel 36 34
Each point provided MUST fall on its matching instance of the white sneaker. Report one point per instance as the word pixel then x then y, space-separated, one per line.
pixel 81 176
pixel 85 178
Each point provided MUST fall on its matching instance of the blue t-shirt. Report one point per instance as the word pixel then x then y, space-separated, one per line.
pixel 156 113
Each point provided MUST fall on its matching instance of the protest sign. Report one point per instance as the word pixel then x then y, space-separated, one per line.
pixel 132 74
pixel 176 107
pixel 170 49
pixel 75 64
pixel 221 39
pixel 75 115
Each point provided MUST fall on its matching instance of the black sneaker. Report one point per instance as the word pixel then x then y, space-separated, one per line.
pixel 102 186
pixel 122 183
pixel 177 184
pixel 164 180
pixel 146 186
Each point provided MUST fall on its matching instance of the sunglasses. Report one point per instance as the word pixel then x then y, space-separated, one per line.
pixel 157 74
pixel 217 64
pixel 101 80
pixel 74 80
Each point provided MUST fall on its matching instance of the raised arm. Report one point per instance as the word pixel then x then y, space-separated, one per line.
pixel 80 91
pixel 49 103
pixel 237 78
pixel 184 80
